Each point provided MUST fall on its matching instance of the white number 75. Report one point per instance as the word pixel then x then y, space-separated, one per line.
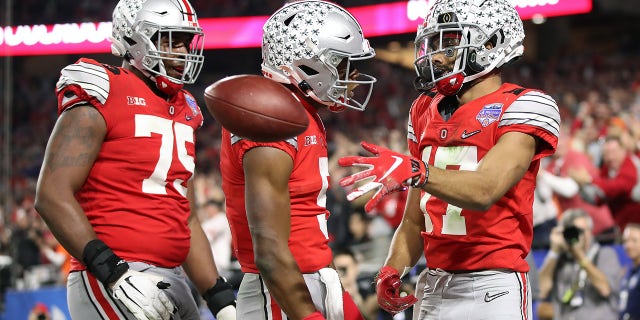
pixel 148 124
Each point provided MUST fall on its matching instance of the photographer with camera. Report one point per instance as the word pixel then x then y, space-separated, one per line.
pixel 579 277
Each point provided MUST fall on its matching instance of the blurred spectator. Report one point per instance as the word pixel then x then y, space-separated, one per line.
pixel 24 240
pixel 630 291
pixel 216 228
pixel 391 207
pixel 579 277
pixel 369 239
pixel 359 240
pixel 40 312
pixel 615 184
pixel 554 175
pixel 545 211
pixel 338 223
pixel 6 263
pixel 55 254
pixel 359 287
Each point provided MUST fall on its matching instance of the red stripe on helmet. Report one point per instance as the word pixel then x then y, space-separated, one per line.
pixel 190 13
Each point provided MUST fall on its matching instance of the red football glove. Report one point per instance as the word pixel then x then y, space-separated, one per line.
pixel 388 291
pixel 391 171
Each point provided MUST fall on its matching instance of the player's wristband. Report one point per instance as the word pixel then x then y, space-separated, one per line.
pixel 100 260
pixel 314 316
pixel 219 296
pixel 420 180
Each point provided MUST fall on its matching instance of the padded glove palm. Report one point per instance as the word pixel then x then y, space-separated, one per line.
pixel 391 171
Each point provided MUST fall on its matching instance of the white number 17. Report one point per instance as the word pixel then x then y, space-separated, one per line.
pixel 462 158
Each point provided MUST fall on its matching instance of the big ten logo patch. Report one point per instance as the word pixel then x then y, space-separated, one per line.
pixel 310 140
pixel 136 101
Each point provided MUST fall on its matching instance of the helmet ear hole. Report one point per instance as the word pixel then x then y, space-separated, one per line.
pixel 308 70
pixel 129 41
pixel 473 66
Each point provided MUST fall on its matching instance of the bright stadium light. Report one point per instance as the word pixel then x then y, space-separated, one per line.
pixel 246 32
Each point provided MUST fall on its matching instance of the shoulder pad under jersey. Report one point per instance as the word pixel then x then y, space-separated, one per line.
pixel 92 79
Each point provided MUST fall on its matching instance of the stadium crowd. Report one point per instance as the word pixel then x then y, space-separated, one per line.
pixel 598 96
pixel 601 99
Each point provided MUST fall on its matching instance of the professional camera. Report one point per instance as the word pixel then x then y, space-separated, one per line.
pixel 571 234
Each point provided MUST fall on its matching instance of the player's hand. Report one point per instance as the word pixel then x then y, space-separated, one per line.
pixel 388 291
pixel 221 300
pixel 391 171
pixel 227 313
pixel 143 295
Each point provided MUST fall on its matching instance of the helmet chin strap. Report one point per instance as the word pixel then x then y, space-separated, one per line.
pixel 167 86
pixel 306 89
pixel 303 86
pixel 164 84
pixel 450 85
pixel 332 106
pixel 335 107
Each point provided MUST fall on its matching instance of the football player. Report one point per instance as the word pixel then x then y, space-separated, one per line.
pixel 476 144
pixel 276 192
pixel 116 183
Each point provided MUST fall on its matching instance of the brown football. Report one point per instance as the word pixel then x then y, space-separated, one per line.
pixel 256 108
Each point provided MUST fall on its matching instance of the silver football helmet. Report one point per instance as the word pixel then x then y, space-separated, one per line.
pixel 481 35
pixel 312 45
pixel 138 27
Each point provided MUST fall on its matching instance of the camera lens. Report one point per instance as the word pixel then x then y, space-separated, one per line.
pixel 571 234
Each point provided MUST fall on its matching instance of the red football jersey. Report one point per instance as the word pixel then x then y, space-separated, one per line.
pixel 135 194
pixel 501 236
pixel 308 184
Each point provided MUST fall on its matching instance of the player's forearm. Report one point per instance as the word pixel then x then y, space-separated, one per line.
pixel 406 246
pixel 478 188
pixel 200 265
pixel 285 281
pixel 66 220
pixel 466 189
